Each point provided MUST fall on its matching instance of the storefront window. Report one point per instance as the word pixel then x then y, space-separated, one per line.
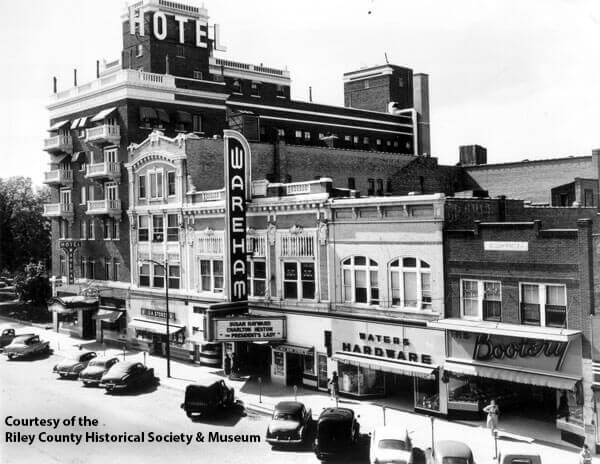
pixel 278 363
pixel 360 280
pixel 356 380
pixel 427 394
pixel 309 363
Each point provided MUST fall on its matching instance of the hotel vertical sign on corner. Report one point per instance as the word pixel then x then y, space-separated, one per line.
pixel 237 192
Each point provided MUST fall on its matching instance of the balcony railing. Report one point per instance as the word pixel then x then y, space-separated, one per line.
pixel 58 209
pixel 211 195
pixel 58 143
pixel 106 206
pixel 101 170
pixel 297 188
pixel 105 133
pixel 58 177
pixel 220 62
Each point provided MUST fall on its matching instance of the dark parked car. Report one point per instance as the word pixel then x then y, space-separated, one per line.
pixel 74 363
pixel 95 369
pixel 207 399
pixel 451 451
pixel 128 375
pixel 8 335
pixel 26 345
pixel 337 431
pixel 289 424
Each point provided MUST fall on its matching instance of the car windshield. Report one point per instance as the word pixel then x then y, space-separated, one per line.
pixel 98 362
pixel 453 460
pixel 286 416
pixel 392 444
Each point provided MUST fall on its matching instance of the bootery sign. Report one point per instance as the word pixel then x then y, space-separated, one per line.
pixel 237 191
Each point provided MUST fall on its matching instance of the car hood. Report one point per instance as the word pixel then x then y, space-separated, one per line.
pixel 283 426
pixel 93 371
pixel 392 455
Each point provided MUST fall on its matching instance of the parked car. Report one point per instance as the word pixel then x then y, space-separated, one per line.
pixel 208 398
pixel 519 458
pixel 289 424
pixel 127 375
pixel 74 363
pixel 337 431
pixel 7 336
pixel 390 445
pixel 452 452
pixel 95 369
pixel 26 345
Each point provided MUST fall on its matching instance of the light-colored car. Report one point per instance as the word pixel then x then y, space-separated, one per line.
pixel 26 345
pixel 452 452
pixel 95 369
pixel 390 445
pixel 519 458
pixel 74 363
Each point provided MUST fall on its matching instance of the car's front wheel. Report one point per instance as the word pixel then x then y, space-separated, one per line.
pixel 11 356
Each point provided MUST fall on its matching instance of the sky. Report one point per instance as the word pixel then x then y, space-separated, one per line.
pixel 518 77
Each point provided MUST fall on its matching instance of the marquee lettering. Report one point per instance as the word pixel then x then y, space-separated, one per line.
pixel 486 350
pixel 387 353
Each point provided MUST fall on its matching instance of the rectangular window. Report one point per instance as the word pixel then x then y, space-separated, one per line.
pixel 171 183
pixel 351 183
pixel 371 186
pixel 115 229
pixel 174 276
pixel 258 276
pixel 355 139
pixel 290 281
pixel 470 298
pixel 62 267
pixel 197 123
pixel 91 230
pixel 211 275
pixel 366 140
pixel 556 306
pixel 107 269
pixel 180 51
pixel 143 228
pixel 307 274
pixel 158 234
pixel 298 134
pixel 156 184
pixel 142 187
pixel 83 195
pixel 481 300
pixel 492 302
pixel 410 289
pixel 144 275
pixel 530 304
pixel 82 230
pixel 82 264
pixel 106 228
pixel 306 135
pixel 379 186
pixel 139 50
pixel 378 142
pixel 198 75
pixel 91 269
pixel 588 197
pixel 90 195
pixel 172 228
pixel 158 278
pixel 299 280
pixel 115 275
pixel 255 89
pixel 281 132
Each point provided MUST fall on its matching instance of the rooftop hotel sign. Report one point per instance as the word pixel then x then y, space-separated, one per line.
pixel 237 191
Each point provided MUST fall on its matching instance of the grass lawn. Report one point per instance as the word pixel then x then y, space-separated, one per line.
pixel 25 311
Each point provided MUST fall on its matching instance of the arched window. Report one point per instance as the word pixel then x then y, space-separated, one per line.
pixel 410 280
pixel 359 276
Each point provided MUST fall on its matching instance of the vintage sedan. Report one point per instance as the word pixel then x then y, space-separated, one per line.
pixel 74 363
pixel 128 375
pixel 208 398
pixel 26 345
pixel 519 458
pixel 337 432
pixel 7 336
pixel 451 451
pixel 289 424
pixel 95 369
pixel 390 445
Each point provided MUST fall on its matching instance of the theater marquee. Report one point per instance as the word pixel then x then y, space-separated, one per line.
pixel 249 329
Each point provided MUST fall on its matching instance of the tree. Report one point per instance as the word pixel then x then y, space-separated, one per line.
pixel 24 231
pixel 33 285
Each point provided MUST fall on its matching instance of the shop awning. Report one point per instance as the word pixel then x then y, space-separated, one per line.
pixel 58 125
pixel 103 114
pixel 75 123
pixel 163 116
pixel 184 117
pixel 423 371
pixel 147 113
pixel 79 157
pixel 108 315
pixel 154 326
pixel 71 304
pixel 82 122
pixel 296 349
pixel 512 374
pixel 508 330
pixel 56 159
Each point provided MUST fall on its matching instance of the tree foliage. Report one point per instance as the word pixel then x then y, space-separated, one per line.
pixel 32 285
pixel 24 231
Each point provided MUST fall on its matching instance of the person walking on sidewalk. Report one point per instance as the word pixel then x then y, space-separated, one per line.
pixel 585 456
pixel 493 412
pixel 333 386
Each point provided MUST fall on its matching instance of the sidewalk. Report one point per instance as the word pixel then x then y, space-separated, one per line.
pixel 263 397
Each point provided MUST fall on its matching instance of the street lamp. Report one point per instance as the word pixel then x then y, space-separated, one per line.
pixel 165 268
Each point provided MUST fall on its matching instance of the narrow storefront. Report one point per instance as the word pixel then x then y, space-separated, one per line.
pixel 73 315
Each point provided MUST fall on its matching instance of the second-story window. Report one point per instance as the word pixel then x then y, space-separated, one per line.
pixel 144 275
pixel 198 75
pixel 158 276
pixel 158 234
pixel 258 277
pixel 481 299
pixel 211 275
pixel 543 304
pixel 142 187
pixel 143 228
pixel 171 183
pixel 360 280
pixel 172 228
pixel 180 51
pixel 371 187
pixel 299 280
pixel 255 89
pixel 156 184
pixel 410 283
pixel 174 276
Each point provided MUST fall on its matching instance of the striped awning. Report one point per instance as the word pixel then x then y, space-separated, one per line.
pixel 108 315
pixel 515 374
pixel 163 116
pixel 147 113
pixel 58 125
pixel 103 114
pixel 154 326
pixel 420 370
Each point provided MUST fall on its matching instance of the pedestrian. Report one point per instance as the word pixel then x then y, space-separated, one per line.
pixel 585 457
pixel 492 411
pixel 227 365
pixel 333 385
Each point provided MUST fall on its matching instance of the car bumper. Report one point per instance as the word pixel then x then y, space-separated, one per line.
pixel 283 441
pixel 66 373
pixel 90 381
pixel 113 386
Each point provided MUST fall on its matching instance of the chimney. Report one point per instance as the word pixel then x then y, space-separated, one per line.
pixel 472 155
pixel 310 94
pixel 421 105
pixel 75 77
pixel 54 84
pixel 97 69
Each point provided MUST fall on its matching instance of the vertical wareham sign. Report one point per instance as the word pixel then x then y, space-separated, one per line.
pixel 237 192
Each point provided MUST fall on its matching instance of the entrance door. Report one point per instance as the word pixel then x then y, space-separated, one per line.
pixel 295 368
pixel 321 371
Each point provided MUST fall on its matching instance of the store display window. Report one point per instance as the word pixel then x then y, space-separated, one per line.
pixel 309 363
pixel 360 381
pixel 427 393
